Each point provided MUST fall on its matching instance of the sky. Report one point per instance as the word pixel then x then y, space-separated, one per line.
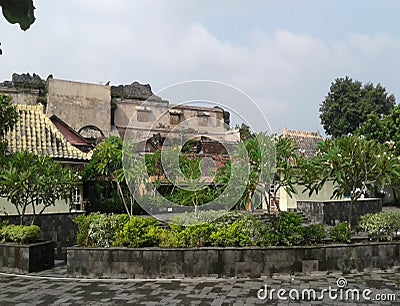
pixel 283 54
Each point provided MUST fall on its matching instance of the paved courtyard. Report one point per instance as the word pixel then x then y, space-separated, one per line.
pixel 52 287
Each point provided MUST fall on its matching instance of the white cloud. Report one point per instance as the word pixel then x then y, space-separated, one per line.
pixel 287 73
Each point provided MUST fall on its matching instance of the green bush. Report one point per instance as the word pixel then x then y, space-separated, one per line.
pixel 380 226
pixel 138 232
pixel 313 234
pixel 246 230
pixel 286 229
pixel 193 235
pixel 21 234
pixel 341 233
pixel 99 230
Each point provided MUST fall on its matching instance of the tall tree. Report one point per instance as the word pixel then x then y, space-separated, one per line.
pixel 349 103
pixel 353 164
pixel 121 170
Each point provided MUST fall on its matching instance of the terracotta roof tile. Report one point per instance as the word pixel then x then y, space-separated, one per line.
pixel 34 132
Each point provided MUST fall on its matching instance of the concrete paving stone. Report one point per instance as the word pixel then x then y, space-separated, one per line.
pixel 52 291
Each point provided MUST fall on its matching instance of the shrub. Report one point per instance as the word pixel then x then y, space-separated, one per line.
pixel 246 230
pixel 341 233
pixel 380 226
pixel 138 232
pixel 193 235
pixel 313 234
pixel 20 233
pixel 99 230
pixel 286 229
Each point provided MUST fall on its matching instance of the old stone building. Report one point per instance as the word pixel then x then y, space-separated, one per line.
pixel 98 111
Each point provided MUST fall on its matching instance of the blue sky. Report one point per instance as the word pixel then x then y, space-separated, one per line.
pixel 283 54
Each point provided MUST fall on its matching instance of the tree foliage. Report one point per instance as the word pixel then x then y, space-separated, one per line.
pixel 353 164
pixel 31 180
pixel 349 103
pixel 109 163
pixel 8 117
pixel 287 168
pixel 19 11
pixel 384 129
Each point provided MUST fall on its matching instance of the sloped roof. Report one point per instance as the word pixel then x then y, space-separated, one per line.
pixel 71 135
pixel 306 142
pixel 34 132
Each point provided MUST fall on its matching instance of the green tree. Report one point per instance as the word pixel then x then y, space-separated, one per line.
pixel 31 180
pixel 286 169
pixel 353 164
pixel 257 159
pixel 8 117
pixel 384 129
pixel 349 103
pixel 18 11
pixel 245 132
pixel 120 169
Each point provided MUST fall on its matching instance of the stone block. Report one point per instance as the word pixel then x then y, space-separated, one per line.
pixel 309 266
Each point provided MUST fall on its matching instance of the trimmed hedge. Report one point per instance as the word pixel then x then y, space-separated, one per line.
pixel 21 234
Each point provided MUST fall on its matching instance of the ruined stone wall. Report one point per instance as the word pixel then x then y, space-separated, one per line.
pixel 21 96
pixel 158 117
pixel 80 104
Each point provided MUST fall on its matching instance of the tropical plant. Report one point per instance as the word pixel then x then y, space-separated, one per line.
pixel 31 180
pixel 121 168
pixel 286 170
pixel 353 164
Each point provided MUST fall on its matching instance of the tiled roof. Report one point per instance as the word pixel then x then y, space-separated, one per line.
pixel 34 132
pixel 306 142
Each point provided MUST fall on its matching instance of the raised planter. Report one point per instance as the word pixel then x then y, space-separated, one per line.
pixel 26 258
pixel 228 262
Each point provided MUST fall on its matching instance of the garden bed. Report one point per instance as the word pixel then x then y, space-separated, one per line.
pixel 229 261
pixel 26 258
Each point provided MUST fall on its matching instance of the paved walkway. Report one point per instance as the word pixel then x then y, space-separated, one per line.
pixel 52 287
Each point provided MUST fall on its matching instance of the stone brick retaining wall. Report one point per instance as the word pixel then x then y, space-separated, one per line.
pixel 334 212
pixel 228 262
pixel 58 227
pixel 15 258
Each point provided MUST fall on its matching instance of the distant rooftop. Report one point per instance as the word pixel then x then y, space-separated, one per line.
pixel 306 142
